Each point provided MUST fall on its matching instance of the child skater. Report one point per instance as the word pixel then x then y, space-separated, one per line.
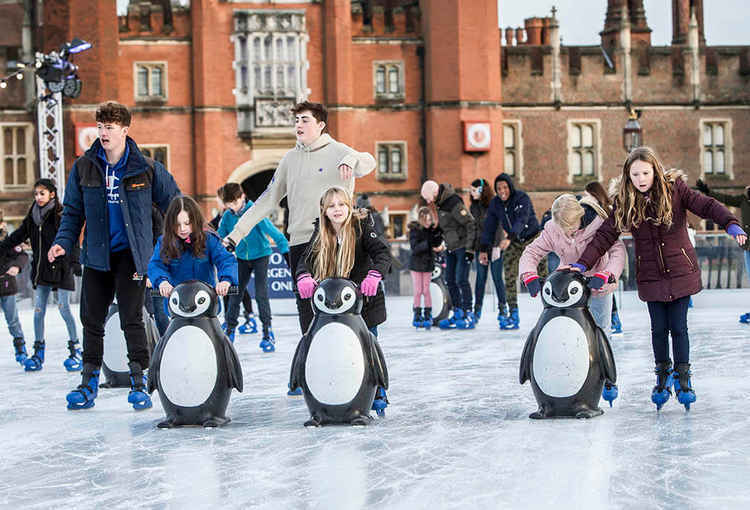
pixel 11 263
pixel 652 205
pixel 425 240
pixel 40 227
pixel 571 228
pixel 345 245
pixel 189 250
pixel 253 253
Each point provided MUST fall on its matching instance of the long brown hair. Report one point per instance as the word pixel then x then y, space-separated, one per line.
pixel 171 245
pixel 487 192
pixel 330 259
pixel 596 190
pixel 632 206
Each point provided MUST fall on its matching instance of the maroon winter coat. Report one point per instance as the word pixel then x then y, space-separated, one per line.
pixel 666 263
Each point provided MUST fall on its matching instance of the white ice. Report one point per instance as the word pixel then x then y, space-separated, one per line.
pixel 456 435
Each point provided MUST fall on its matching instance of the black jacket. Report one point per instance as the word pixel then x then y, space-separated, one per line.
pixel 455 220
pixel 422 241
pixel 58 274
pixel 8 259
pixel 371 252
pixel 516 216
pixel 479 213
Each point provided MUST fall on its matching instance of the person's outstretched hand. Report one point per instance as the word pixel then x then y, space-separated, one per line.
pixel 55 251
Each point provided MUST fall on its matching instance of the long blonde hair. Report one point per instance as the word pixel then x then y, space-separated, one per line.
pixel 329 258
pixel 631 206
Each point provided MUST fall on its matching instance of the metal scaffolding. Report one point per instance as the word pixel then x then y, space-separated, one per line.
pixel 50 132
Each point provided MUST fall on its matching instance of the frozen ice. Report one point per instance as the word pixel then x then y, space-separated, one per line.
pixel 456 435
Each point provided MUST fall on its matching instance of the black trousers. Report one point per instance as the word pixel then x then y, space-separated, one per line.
pixel 98 290
pixel 670 318
pixel 304 306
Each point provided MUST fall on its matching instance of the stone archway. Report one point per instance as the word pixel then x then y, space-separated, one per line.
pixel 254 177
pixel 252 167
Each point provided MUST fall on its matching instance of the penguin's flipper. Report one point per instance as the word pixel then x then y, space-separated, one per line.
pixel 153 369
pixel 378 359
pixel 294 379
pixel 606 358
pixel 234 369
pixel 524 370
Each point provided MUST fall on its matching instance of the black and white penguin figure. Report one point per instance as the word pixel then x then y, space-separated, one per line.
pixel 194 365
pixel 338 363
pixel 115 360
pixel 567 356
pixel 441 298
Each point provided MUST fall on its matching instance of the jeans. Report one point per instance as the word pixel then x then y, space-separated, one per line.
pixel 666 318
pixel 457 278
pixel 747 261
pixel 160 313
pixel 41 295
pixel 304 306
pixel 11 316
pixel 245 269
pixel 601 309
pixel 496 268
pixel 99 288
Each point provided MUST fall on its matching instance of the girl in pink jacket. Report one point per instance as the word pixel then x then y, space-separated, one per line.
pixel 573 225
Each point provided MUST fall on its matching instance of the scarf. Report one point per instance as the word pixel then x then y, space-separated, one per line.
pixel 39 213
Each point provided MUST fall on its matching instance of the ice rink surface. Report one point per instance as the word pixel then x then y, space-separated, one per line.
pixel 456 435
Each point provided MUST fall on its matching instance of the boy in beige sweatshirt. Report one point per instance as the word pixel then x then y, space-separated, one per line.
pixel 316 163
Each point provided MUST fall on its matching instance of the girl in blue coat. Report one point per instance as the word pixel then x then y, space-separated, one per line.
pixel 190 251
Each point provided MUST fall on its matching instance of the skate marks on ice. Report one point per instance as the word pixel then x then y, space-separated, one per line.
pixel 456 435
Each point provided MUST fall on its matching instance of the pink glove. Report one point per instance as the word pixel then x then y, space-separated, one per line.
pixel 369 285
pixel 306 285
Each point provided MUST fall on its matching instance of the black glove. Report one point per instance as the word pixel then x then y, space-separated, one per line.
pixel 469 256
pixel 77 269
pixel 229 244
pixel 702 186
pixel 533 285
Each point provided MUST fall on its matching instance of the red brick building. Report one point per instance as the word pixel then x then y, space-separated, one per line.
pixel 211 84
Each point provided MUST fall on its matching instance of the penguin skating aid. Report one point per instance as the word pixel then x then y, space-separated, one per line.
pixel 115 357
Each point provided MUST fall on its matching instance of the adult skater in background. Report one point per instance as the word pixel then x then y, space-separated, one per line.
pixel 513 211
pixel 111 188
pixel 652 205
pixel 743 202
pixel 481 196
pixel 316 163
pixel 458 229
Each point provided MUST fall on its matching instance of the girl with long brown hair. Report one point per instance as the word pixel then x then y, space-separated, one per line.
pixel 189 250
pixel 345 245
pixel 652 205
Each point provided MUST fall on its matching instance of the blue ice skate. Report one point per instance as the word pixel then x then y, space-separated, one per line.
pixel 83 396
pixel 293 393
pixel 745 318
pixel 268 344
pixel 380 402
pixel 616 324
pixel 451 322
pixel 249 327
pixel 609 392
pixel 513 321
pixel 427 318
pixel 73 362
pixel 36 361
pixel 664 381
pixel 138 381
pixel 467 321
pixel 20 347
pixel 417 319
pixel 682 385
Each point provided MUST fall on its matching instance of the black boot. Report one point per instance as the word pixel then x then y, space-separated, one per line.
pixel 138 396
pixel 36 360
pixel 417 320
pixel 427 318
pixel 73 362
pixel 682 385
pixel 20 346
pixel 663 389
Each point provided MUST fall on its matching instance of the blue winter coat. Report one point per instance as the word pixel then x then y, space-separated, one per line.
pixel 255 245
pixel 86 200
pixel 516 216
pixel 187 267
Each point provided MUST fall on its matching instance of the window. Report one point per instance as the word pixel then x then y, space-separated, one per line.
pixel 715 146
pixel 391 160
pixel 150 81
pixel 396 225
pixel 583 148
pixel 158 152
pixel 270 67
pixel 17 152
pixel 389 80
pixel 511 148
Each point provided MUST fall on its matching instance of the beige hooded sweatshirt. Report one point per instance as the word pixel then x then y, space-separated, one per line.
pixel 303 175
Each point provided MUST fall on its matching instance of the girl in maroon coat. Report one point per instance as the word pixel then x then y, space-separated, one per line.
pixel 652 205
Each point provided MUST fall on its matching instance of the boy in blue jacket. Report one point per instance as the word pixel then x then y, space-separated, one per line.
pixel 111 188
pixel 252 254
